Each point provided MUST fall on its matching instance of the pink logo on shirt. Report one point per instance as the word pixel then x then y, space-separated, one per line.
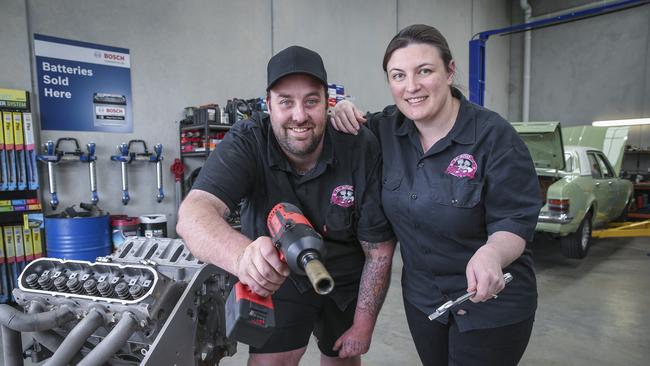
pixel 461 166
pixel 343 196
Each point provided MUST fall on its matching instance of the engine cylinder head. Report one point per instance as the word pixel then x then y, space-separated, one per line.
pixel 122 290
pixel 46 282
pixel 116 309
pixel 90 286
pixel 74 285
pixel 32 281
pixel 59 283
pixel 105 289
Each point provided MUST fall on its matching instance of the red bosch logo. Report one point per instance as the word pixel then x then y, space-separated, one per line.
pixel 113 56
pixel 113 110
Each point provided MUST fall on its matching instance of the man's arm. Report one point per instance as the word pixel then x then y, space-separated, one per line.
pixel 375 280
pixel 202 224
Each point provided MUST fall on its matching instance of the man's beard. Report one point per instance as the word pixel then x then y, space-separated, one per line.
pixel 289 145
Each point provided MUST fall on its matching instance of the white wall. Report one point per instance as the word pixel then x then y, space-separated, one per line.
pixel 587 70
pixel 14 46
pixel 194 52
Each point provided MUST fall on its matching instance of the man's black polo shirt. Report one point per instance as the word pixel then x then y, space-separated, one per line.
pixel 340 196
pixel 444 203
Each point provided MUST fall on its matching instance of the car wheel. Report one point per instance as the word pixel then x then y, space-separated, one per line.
pixel 576 245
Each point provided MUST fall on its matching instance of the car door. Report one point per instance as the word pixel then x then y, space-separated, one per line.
pixel 601 188
pixel 616 201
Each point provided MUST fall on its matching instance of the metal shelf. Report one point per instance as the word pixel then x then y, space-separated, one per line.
pixel 207 129
pixel 642 187
pixel 190 154
pixel 16 195
pixel 15 217
pixel 202 125
pixel 635 215
pixel 643 151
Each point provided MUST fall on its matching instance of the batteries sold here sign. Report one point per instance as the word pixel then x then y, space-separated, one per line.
pixel 83 86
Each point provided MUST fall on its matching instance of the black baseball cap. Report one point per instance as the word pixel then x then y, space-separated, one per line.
pixel 295 60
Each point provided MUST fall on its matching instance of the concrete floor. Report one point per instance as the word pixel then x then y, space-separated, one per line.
pixel 591 311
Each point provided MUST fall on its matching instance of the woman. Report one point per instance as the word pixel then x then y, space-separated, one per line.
pixel 460 190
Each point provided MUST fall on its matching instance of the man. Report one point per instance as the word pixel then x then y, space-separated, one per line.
pixel 294 156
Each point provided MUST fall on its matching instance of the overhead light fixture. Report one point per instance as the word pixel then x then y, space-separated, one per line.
pixel 622 122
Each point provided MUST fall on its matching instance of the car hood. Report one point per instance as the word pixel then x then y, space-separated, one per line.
pixel 610 140
pixel 544 141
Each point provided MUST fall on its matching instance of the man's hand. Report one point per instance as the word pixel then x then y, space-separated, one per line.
pixel 354 342
pixel 260 268
pixel 375 279
pixel 347 117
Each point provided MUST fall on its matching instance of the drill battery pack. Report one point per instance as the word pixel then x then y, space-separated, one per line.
pixel 249 317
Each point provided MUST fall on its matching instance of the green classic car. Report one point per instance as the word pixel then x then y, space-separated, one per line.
pixel 579 179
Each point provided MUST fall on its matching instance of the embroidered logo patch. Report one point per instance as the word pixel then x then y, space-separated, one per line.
pixel 461 166
pixel 343 196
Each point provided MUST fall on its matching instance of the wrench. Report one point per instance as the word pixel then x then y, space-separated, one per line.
pixel 449 304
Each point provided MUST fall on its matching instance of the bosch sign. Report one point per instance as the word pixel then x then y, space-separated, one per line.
pixel 113 56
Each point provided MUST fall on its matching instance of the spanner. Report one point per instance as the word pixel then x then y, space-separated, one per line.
pixel 449 304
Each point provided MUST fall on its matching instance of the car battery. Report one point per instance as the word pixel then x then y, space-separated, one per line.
pixel 110 109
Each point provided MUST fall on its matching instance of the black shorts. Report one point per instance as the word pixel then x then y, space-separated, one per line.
pixel 298 315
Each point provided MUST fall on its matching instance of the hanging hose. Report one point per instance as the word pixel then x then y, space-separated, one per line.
pixel 12 347
pixel 48 338
pixel 18 321
pixel 112 342
pixel 76 338
pixel 13 322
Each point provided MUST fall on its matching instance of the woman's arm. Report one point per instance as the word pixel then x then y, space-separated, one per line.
pixel 485 269
pixel 346 117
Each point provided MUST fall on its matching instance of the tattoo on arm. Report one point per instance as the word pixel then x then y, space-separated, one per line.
pixel 375 278
pixel 370 246
pixel 354 346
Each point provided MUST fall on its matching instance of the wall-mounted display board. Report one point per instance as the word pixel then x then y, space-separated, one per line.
pixel 83 86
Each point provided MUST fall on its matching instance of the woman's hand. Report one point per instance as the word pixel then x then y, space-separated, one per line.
pixel 484 270
pixel 346 117
pixel 484 275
